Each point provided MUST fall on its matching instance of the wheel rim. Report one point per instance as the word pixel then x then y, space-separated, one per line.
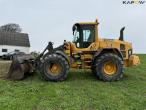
pixel 109 68
pixel 54 69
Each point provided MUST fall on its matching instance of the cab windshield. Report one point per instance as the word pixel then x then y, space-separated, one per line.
pixel 76 36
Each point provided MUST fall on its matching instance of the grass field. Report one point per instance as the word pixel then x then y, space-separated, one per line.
pixel 81 91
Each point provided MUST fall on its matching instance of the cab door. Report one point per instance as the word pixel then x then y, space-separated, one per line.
pixel 86 36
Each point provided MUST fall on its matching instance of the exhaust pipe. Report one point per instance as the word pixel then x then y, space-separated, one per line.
pixel 122 34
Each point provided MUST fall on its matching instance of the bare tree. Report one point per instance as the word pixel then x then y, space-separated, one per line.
pixel 11 27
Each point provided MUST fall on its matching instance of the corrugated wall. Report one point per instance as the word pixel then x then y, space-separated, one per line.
pixel 15 39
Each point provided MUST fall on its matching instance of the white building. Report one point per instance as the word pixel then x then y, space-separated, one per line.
pixel 10 42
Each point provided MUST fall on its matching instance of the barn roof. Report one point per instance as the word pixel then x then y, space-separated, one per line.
pixel 14 39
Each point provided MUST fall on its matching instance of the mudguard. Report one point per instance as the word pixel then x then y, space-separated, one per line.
pixel 113 50
pixel 62 54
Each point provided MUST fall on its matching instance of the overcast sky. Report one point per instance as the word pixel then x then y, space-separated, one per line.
pixel 52 20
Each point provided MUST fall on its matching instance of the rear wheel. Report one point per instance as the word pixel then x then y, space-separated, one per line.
pixel 108 67
pixel 54 68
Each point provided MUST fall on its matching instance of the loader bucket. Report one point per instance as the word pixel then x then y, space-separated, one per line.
pixel 22 66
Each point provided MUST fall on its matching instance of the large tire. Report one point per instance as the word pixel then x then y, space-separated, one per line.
pixel 108 67
pixel 54 68
pixel 93 69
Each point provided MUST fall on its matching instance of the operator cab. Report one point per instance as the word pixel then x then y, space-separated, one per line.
pixel 84 35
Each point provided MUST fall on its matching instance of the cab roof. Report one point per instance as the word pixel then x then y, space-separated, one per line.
pixel 88 23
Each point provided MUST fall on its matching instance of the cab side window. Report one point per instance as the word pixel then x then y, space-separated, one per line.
pixel 88 35
pixel 88 32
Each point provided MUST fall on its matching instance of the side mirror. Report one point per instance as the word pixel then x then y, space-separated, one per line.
pixel 73 29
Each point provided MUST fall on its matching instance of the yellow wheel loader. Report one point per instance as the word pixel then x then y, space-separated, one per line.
pixel 105 57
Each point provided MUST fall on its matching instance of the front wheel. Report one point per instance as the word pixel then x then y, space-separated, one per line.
pixel 109 67
pixel 54 68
